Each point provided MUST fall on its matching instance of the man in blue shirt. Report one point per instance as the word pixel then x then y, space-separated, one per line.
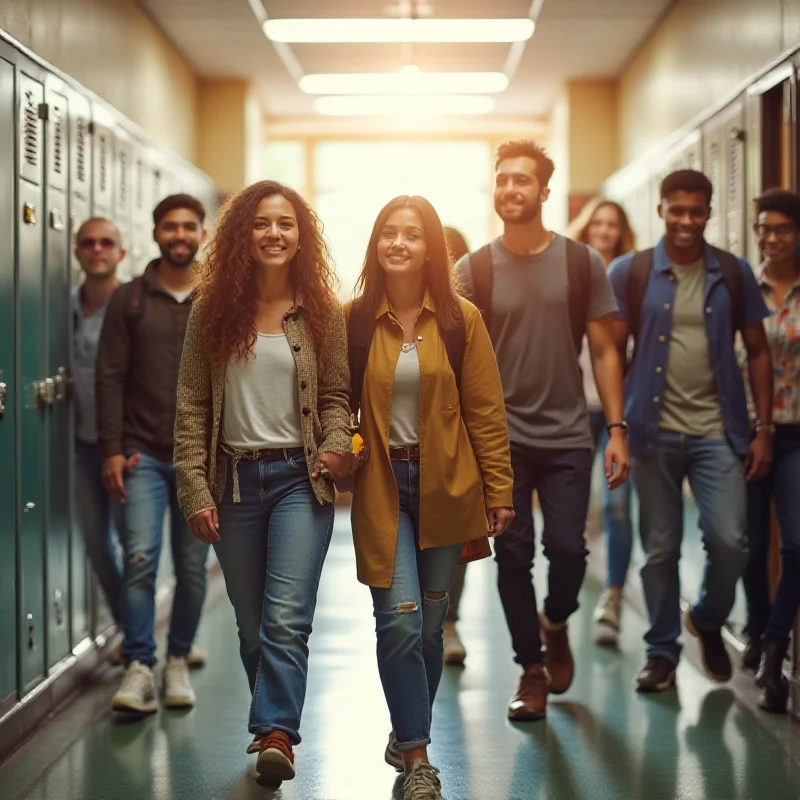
pixel 687 417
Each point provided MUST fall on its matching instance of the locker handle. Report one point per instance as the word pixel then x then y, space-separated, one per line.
pixel 3 398
pixel 56 220
pixel 60 383
pixel 45 392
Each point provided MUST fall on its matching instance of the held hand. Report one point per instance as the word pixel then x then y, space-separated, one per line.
pixel 499 520
pixel 758 461
pixel 204 525
pixel 617 460
pixel 114 475
pixel 335 466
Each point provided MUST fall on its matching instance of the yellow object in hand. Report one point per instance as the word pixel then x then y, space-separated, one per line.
pixel 358 443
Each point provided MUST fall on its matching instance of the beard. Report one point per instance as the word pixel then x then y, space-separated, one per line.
pixel 521 215
pixel 174 260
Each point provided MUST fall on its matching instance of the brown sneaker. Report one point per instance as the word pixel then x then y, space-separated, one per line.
pixel 558 659
pixel 454 651
pixel 276 760
pixel 530 701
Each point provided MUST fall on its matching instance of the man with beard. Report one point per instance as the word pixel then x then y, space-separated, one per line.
pixel 540 294
pixel 683 302
pixel 137 378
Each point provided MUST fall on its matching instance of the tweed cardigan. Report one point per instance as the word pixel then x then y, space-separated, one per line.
pixel 201 466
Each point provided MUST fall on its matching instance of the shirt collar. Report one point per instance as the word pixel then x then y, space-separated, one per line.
pixel 661 262
pixel 763 280
pixel 383 308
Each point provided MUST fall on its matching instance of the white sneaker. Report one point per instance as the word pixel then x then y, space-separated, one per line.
pixel 138 690
pixel 607 618
pixel 178 692
pixel 197 658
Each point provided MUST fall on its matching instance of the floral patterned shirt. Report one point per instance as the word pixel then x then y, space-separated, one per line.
pixel 783 334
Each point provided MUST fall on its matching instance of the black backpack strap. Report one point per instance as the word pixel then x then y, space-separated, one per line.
pixel 360 330
pixel 135 303
pixel 455 343
pixel 732 275
pixel 638 278
pixel 482 272
pixel 579 288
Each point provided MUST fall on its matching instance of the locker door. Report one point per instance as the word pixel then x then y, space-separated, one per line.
pixel 103 162
pixel 33 391
pixel 141 219
pixel 735 212
pixel 8 544
pixel 123 205
pixel 713 158
pixel 59 451
pixel 80 189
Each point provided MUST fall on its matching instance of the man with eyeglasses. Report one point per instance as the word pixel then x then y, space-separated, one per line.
pixel 683 302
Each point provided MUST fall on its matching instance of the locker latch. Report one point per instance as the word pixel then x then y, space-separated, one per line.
pixel 3 398
pixel 44 392
pixel 60 382
pixel 58 602
pixel 29 214
pixel 31 639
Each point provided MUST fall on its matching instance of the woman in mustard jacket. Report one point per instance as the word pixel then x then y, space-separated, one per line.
pixel 438 475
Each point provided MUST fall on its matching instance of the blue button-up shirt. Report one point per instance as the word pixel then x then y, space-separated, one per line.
pixel 645 381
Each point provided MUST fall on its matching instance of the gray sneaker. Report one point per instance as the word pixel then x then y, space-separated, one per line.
pixel 422 782
pixel 607 618
pixel 178 691
pixel 393 757
pixel 137 693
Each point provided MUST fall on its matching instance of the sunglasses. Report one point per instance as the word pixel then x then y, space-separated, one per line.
pixel 90 244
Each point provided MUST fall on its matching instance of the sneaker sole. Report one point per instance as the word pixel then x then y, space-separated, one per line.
pixel 399 766
pixel 131 707
pixel 689 625
pixel 656 688
pixel 455 659
pixel 527 716
pixel 606 635
pixel 274 767
pixel 179 702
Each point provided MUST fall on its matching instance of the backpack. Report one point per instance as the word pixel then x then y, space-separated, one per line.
pixel 639 277
pixel 361 329
pixel 579 281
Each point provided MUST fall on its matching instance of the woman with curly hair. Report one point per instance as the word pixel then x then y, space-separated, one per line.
pixel 262 430
pixel 438 479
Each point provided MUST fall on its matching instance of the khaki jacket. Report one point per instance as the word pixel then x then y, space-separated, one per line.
pixel 465 460
pixel 200 465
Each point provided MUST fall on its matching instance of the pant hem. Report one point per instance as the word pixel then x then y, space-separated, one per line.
pixel 672 657
pixel 266 730
pixel 416 743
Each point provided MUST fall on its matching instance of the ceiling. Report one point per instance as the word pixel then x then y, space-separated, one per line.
pixel 574 39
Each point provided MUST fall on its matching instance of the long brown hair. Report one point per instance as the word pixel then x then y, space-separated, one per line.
pixel 579 227
pixel 228 278
pixel 438 268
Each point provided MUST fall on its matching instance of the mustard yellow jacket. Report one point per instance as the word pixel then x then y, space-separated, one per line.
pixel 465 461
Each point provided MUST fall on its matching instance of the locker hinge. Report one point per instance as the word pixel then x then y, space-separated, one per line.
pixel 44 111
pixel 91 127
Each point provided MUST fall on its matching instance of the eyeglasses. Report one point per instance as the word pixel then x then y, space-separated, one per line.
pixel 779 230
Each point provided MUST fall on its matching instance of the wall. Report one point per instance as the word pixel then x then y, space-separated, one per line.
pixel 702 50
pixel 113 48
pixel 593 152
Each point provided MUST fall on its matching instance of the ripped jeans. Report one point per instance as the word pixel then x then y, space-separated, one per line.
pixel 409 619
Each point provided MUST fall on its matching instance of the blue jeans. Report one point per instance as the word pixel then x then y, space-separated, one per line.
pixel 617 525
pixel 775 619
pixel 272 547
pixel 716 476
pixel 409 623
pixel 150 489
pixel 98 516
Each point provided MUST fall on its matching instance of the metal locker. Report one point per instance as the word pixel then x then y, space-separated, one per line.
pixel 59 448
pixel 32 388
pixel 80 191
pixel 713 158
pixel 123 205
pixel 142 220
pixel 735 203
pixel 102 162
pixel 8 405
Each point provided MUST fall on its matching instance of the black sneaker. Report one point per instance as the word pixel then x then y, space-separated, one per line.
pixel 657 675
pixel 715 658
pixel 751 655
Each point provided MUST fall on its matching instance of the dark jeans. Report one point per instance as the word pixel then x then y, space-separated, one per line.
pixel 562 479
pixel 782 485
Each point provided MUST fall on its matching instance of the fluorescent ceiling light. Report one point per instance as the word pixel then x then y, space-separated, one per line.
pixel 403 106
pixel 296 31
pixel 405 83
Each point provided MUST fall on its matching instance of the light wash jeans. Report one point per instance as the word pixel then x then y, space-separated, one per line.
pixel 150 488
pixel 99 517
pixel 272 547
pixel 717 478
pixel 408 623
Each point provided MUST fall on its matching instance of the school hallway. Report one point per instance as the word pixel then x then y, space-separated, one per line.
pixel 600 740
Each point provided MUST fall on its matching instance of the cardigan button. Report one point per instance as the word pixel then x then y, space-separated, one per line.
pixel 303 384
pixel 296 348
pixel 306 411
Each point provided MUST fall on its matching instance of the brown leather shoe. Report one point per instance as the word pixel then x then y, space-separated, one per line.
pixel 530 701
pixel 558 659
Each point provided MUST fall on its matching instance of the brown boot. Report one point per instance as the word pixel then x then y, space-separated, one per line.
pixel 530 701
pixel 558 657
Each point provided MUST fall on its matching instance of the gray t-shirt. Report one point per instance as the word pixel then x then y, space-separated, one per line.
pixel 532 337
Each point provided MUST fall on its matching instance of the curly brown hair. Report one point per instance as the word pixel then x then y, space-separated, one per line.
pixel 228 292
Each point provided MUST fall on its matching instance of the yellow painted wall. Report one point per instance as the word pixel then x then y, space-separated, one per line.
pixel 593 152
pixel 701 51
pixel 114 49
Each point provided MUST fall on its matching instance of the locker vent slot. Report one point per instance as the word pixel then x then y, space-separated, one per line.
pixel 123 177
pixel 81 132
pixel 31 130
pixel 713 166
pixel 58 140
pixel 735 177
pixel 139 199
pixel 102 160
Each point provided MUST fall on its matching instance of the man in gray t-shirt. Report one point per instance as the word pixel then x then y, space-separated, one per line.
pixel 539 304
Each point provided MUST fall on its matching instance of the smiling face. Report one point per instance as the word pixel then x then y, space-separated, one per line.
pixel 401 244
pixel 275 235
pixel 685 215
pixel 604 230
pixel 778 237
pixel 97 248
pixel 518 194
pixel 179 235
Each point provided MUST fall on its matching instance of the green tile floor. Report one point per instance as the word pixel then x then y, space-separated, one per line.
pixel 600 741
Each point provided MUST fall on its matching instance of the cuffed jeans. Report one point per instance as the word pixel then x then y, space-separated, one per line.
pixel 272 547
pixel 409 622
pixel 98 516
pixel 617 524
pixel 775 620
pixel 717 479
pixel 150 489
pixel 562 479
